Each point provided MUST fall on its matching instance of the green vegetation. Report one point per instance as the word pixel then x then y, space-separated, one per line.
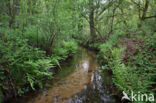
pixel 125 40
pixel 35 35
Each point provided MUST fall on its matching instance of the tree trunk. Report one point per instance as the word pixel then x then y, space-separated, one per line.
pixel 112 21
pixel 12 10
pixel 145 10
pixel 91 21
pixel 9 12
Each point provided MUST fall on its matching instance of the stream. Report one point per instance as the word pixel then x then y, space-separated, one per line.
pixel 78 81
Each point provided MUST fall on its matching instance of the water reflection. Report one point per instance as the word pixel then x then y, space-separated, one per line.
pixel 85 65
pixel 82 85
pixel 95 92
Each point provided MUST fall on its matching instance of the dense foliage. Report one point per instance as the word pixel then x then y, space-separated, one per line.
pixel 124 34
pixel 36 34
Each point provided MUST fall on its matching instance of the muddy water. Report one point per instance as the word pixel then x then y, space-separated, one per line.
pixel 78 81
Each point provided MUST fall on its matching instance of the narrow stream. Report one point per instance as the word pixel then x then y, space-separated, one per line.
pixel 78 81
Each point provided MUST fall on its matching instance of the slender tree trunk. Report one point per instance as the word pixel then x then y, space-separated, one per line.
pixel 9 12
pixel 91 21
pixel 112 21
pixel 145 10
pixel 143 16
pixel 12 10
pixel 50 49
pixel 37 37
pixel 53 30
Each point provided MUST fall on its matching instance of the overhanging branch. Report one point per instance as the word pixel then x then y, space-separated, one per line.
pixel 150 17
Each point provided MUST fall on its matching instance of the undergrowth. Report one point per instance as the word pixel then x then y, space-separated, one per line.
pixel 24 67
pixel 138 74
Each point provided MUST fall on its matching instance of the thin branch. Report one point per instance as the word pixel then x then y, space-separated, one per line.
pixel 103 9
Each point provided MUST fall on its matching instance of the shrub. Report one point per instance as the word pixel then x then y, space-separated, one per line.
pixel 65 48
pixel 21 65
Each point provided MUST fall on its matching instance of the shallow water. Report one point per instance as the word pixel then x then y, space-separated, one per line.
pixel 78 81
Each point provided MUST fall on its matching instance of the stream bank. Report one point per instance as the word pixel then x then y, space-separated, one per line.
pixel 78 81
